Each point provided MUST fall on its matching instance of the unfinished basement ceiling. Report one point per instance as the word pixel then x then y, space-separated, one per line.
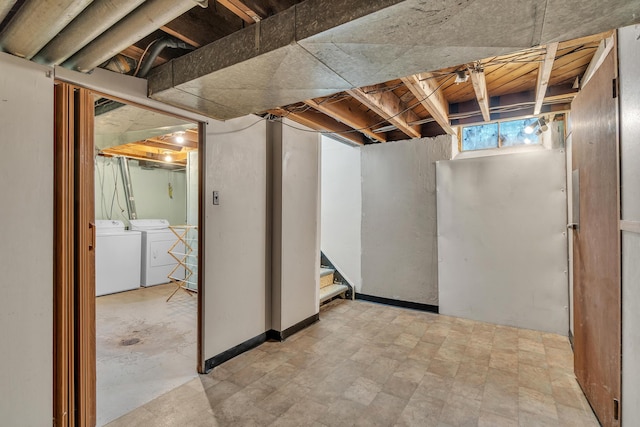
pixel 373 71
pixel 142 134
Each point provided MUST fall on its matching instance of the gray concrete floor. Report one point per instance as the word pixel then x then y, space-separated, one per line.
pixel 145 347
pixel 365 364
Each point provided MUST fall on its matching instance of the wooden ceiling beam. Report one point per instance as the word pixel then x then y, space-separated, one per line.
pixel 425 88
pixel 170 141
pixel 241 10
pixel 598 58
pixel 513 105
pixel 480 88
pixel 322 123
pixel 388 105
pixel 544 74
pixel 181 36
pixel 135 52
pixel 342 113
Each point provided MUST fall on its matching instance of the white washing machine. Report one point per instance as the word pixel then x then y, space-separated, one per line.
pixel 117 257
pixel 157 239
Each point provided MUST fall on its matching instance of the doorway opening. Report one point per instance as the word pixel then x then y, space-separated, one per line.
pixel 146 281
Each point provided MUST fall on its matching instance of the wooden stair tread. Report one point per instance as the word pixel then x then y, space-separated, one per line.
pixel 331 291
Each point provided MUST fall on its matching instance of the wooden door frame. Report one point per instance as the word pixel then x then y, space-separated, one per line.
pixel 74 327
pixel 63 304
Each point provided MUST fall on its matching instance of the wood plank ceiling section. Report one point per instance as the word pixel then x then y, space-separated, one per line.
pixel 164 149
pixel 533 81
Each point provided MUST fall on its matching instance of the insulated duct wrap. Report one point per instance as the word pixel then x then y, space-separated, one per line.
pixel 36 23
pixel 5 7
pixel 140 23
pixel 97 18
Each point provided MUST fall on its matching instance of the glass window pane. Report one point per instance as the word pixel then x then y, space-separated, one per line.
pixel 480 137
pixel 518 132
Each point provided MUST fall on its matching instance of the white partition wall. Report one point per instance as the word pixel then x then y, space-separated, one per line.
pixel 341 212
pixel 502 240
pixel 296 214
pixel 629 63
pixel 236 294
pixel 26 230
pixel 399 241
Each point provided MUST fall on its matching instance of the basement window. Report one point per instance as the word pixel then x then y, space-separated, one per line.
pixel 500 134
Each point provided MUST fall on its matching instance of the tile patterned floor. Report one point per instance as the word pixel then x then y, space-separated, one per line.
pixel 365 364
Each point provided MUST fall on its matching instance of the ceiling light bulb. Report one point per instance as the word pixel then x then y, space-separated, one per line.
pixel 168 158
pixel 529 129
pixel 527 141
pixel 180 139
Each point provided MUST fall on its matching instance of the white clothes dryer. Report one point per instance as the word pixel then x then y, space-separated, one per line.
pixel 157 239
pixel 118 254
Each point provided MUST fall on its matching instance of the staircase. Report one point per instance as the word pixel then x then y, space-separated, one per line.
pixel 331 282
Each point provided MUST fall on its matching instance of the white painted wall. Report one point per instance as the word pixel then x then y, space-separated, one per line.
pixel 629 63
pixel 26 250
pixel 341 212
pixel 150 189
pixel 237 300
pixel 296 254
pixel 399 241
pixel 502 240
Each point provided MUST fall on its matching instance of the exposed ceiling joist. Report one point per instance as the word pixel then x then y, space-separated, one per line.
pixel 480 88
pixel 598 58
pixel 242 10
pixel 514 105
pixel 425 88
pixel 135 52
pixel 388 106
pixel 180 35
pixel 321 123
pixel 544 73
pixel 346 115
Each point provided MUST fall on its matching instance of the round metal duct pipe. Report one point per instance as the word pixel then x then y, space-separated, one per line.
pixel 36 23
pixel 97 18
pixel 138 24
pixel 5 7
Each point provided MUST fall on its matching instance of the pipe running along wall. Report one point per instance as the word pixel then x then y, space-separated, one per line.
pixel 128 188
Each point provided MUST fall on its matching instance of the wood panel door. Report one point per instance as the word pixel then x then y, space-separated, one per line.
pixel 596 262
pixel 74 402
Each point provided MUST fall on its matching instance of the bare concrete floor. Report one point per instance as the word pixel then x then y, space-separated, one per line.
pixel 365 364
pixel 145 347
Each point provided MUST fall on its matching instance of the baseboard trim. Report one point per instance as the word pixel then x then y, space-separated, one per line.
pixel 283 335
pixel 271 334
pixel 219 359
pixel 399 303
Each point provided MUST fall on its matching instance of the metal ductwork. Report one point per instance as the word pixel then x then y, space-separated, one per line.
pixel 97 18
pixel 138 24
pixel 36 23
pixel 5 7
pixel 158 47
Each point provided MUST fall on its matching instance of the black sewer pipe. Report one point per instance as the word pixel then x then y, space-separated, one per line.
pixel 156 49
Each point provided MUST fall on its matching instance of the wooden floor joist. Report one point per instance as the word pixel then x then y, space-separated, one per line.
pixel 390 107
pixel 344 114
pixel 425 88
